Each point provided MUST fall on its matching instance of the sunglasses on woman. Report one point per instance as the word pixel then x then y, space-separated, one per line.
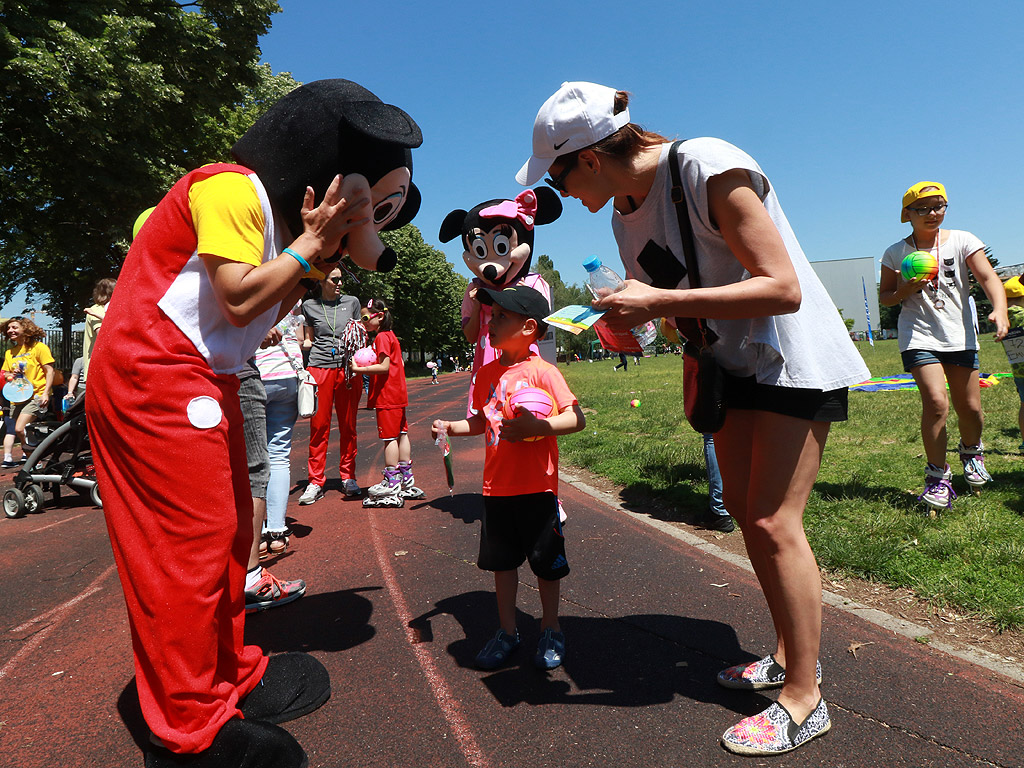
pixel 335 280
pixel 558 182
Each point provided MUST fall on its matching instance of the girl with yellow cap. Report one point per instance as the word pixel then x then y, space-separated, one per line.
pixel 938 335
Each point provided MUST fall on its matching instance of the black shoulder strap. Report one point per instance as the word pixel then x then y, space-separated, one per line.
pixel 691 328
pixel 683 214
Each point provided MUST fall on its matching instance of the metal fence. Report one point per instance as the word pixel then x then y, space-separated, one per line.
pixel 64 357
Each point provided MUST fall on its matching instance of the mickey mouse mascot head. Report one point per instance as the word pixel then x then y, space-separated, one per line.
pixel 215 265
pixel 498 238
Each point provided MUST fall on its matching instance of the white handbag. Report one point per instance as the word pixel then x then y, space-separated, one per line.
pixel 307 393
pixel 307 387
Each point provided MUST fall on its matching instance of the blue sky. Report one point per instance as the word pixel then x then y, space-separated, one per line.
pixel 843 105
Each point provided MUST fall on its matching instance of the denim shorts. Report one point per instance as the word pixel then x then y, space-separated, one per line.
pixel 965 358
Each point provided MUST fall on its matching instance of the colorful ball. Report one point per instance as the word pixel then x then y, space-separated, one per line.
pixel 634 403
pixel 364 357
pixel 919 264
pixel 534 399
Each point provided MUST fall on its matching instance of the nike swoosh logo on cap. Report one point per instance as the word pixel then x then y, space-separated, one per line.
pixel 559 146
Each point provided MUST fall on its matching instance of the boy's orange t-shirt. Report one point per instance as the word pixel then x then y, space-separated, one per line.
pixel 515 469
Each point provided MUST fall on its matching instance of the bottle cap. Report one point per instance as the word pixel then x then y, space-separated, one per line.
pixel 592 264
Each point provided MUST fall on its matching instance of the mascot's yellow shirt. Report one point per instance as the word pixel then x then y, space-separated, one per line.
pixel 228 218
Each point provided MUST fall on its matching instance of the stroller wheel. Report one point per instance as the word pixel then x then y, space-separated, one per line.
pixel 34 501
pixel 14 503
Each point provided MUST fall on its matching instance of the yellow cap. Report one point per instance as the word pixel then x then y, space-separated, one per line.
pixel 1013 288
pixel 915 193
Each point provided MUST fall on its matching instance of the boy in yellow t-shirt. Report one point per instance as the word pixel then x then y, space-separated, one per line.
pixel 520 484
pixel 1014 342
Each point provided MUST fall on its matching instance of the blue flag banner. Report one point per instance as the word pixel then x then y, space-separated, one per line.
pixel 867 311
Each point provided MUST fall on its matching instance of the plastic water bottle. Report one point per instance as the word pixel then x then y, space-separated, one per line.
pixel 602 282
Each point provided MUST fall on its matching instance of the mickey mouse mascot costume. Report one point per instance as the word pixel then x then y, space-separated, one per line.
pixel 216 264
pixel 498 239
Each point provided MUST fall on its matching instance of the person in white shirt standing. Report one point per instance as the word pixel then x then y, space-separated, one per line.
pixel 937 335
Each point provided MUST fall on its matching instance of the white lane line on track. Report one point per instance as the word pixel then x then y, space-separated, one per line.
pixel 59 522
pixel 57 614
pixel 449 705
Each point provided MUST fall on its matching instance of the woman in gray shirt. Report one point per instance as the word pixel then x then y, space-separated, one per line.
pixel 326 318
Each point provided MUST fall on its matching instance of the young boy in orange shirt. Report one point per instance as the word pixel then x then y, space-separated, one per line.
pixel 520 484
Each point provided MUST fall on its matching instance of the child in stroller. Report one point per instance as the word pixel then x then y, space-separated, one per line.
pixel 61 457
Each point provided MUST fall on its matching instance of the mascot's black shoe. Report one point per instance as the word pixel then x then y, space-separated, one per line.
pixel 240 744
pixel 294 685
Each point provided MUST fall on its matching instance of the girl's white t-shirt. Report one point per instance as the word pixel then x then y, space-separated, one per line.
pixel 939 318
pixel 809 348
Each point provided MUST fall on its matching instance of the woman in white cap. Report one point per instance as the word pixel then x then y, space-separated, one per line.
pixel 784 349
pixel 938 336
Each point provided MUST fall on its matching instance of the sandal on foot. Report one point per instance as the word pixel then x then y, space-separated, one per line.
pixel 497 650
pixel 774 731
pixel 757 675
pixel 276 543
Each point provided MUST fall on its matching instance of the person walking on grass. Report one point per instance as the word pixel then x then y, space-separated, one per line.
pixel 520 486
pixel 784 350
pixel 938 337
pixel 1014 291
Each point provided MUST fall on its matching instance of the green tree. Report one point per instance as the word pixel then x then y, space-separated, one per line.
pixel 423 291
pixel 105 104
pixel 563 295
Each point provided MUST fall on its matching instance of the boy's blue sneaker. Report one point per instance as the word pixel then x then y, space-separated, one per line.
pixel 497 650
pixel 550 650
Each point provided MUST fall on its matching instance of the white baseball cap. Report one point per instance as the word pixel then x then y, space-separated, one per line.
pixel 577 115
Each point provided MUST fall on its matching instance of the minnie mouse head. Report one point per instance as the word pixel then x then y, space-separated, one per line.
pixel 498 234
pixel 329 127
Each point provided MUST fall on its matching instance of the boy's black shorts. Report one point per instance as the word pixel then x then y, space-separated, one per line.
pixel 518 528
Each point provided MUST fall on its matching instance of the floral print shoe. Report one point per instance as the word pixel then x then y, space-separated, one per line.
pixel 774 731
pixel 757 675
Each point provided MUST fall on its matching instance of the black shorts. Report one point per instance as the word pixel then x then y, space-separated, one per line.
pixel 744 393
pixel 518 528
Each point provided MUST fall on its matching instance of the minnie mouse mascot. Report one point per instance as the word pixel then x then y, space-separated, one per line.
pixel 498 238
pixel 214 267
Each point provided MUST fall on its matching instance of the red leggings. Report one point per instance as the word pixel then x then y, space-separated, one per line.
pixel 333 393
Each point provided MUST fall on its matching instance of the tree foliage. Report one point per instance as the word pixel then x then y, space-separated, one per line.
pixel 563 295
pixel 423 291
pixel 105 104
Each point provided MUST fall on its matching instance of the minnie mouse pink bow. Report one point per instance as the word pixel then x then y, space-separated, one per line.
pixel 524 208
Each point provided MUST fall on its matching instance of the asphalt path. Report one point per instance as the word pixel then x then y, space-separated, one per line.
pixel 396 609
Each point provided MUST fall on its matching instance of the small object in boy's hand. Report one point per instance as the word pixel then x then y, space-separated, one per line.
pixel 533 399
pixel 364 357
pixel 446 452
pixel 634 403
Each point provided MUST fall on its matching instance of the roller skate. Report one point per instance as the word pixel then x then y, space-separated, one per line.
pixel 973 459
pixel 938 490
pixel 409 490
pixel 386 493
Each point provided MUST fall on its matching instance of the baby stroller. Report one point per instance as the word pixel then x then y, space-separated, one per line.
pixel 61 458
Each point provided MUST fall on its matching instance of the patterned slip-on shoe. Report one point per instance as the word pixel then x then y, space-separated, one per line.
pixel 757 675
pixel 774 731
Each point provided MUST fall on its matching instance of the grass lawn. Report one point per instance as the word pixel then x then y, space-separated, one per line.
pixel 863 518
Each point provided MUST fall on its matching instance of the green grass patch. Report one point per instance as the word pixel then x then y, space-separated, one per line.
pixel 863 518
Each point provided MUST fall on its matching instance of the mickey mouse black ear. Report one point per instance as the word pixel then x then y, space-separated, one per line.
pixel 383 122
pixel 409 208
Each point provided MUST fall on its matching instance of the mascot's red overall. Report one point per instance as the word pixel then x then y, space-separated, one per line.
pixel 205 279
pixel 498 238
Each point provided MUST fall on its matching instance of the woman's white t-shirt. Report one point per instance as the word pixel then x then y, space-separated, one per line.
pixel 948 327
pixel 809 348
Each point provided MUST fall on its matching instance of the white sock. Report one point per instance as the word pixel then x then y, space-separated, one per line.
pixel 252 577
pixel 8 457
